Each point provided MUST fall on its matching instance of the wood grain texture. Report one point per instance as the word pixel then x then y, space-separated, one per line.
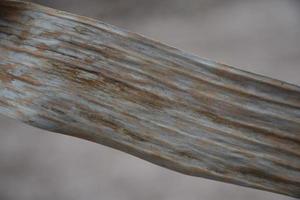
pixel 81 77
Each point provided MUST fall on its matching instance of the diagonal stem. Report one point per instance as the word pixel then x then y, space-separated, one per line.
pixel 78 76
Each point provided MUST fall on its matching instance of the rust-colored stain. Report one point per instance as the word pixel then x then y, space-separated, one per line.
pixel 74 75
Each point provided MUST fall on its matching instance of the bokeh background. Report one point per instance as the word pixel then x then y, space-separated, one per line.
pixel 261 36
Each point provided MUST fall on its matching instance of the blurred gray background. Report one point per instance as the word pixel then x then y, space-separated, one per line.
pixel 261 36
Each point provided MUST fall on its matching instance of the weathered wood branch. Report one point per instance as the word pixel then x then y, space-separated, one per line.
pixel 78 76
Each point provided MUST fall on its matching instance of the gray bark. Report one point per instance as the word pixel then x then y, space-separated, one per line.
pixel 81 77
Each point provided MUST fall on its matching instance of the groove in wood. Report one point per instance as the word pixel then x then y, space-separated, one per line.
pixel 81 77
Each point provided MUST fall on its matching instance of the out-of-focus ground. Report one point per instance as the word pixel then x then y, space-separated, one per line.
pixel 261 36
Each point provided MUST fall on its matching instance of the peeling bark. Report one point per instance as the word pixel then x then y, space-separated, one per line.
pixel 77 76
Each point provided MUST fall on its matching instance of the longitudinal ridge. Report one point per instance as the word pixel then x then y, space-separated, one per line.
pixel 81 77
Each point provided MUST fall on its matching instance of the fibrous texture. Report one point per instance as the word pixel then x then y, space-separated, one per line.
pixel 81 77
